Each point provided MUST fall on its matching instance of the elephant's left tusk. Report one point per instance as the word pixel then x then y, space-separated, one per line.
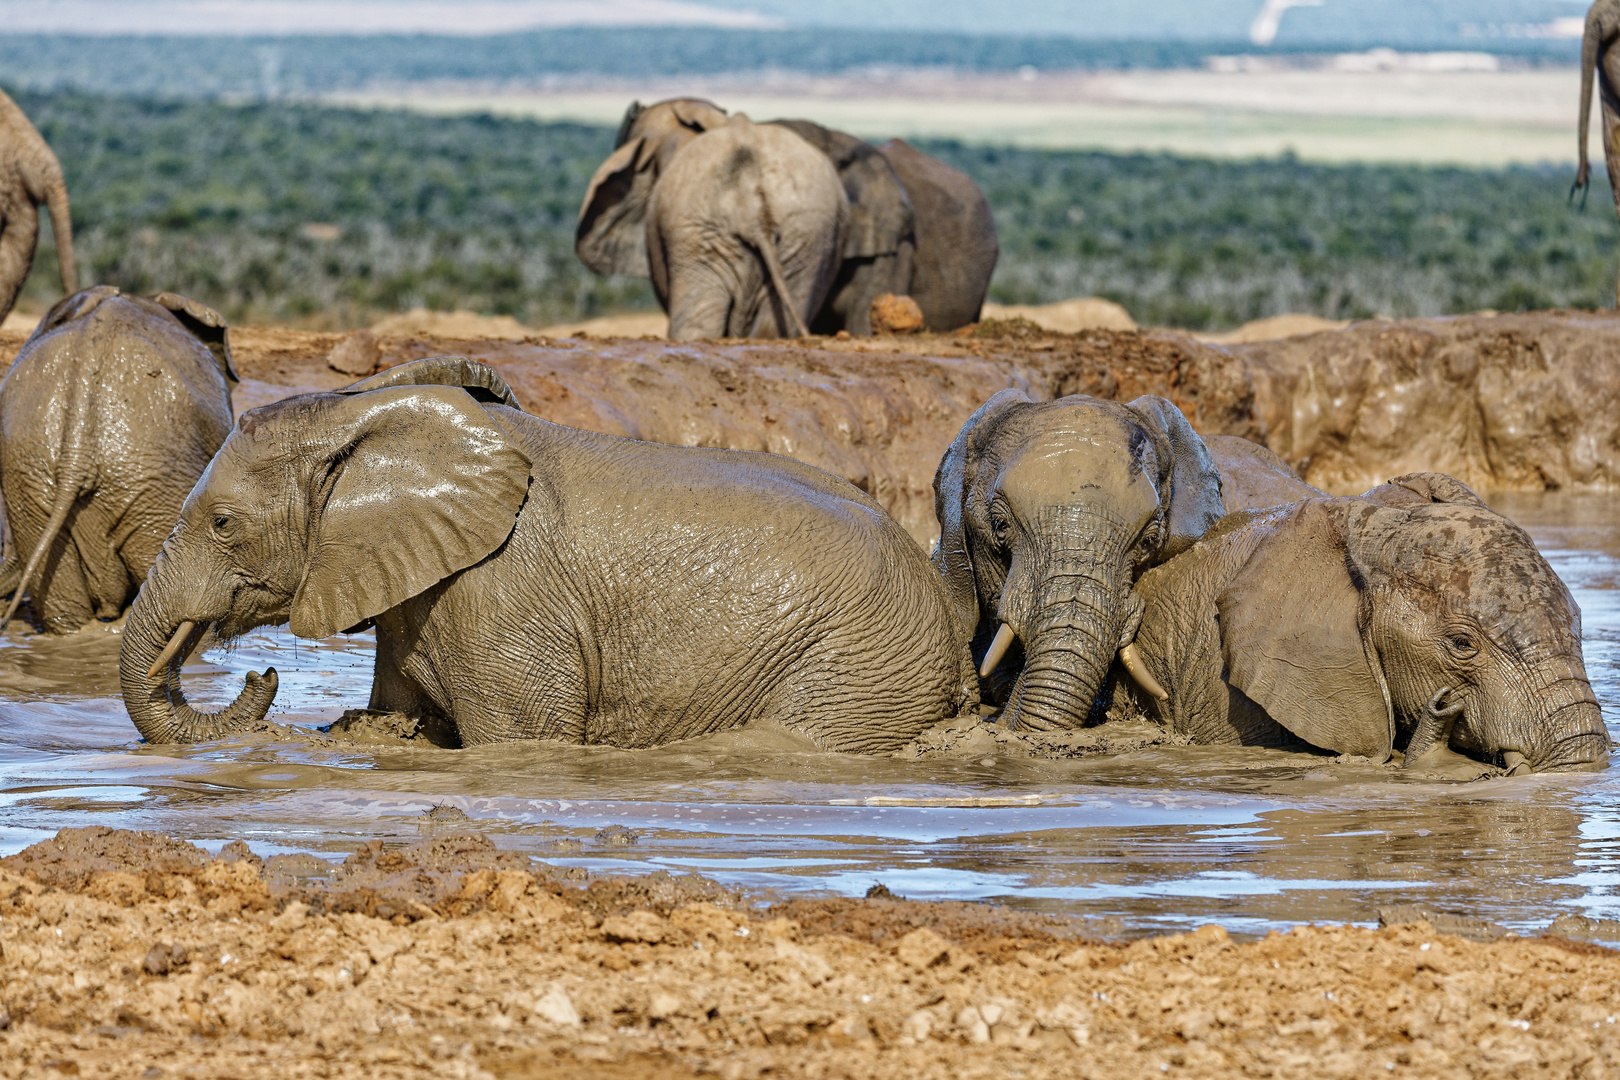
pixel 998 649
pixel 1144 678
pixel 175 644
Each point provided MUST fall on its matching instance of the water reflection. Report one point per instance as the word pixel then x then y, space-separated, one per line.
pixel 1161 837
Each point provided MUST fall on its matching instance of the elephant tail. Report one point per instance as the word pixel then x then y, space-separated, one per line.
pixel 773 268
pixel 66 495
pixel 56 198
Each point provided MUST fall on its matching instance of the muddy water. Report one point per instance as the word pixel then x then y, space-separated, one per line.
pixel 1155 838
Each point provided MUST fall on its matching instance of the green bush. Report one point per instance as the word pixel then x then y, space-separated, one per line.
pixel 297 213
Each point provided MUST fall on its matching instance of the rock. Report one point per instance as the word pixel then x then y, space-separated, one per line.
pixel 643 926
pixel 891 314
pixel 556 1007
pixel 238 851
pixel 1582 927
pixel 357 354
pixel 163 958
pixel 617 835
pixel 1460 925
pixel 443 817
pixel 922 949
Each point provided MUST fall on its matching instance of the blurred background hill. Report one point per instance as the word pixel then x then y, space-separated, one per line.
pixel 1202 162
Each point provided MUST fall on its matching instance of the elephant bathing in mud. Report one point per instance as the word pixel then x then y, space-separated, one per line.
pixel 1599 58
pixel 32 178
pixel 916 226
pixel 108 416
pixel 528 580
pixel 1048 511
pixel 1412 616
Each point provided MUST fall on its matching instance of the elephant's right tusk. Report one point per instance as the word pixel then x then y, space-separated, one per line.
pixel 1139 672
pixel 998 649
pixel 175 644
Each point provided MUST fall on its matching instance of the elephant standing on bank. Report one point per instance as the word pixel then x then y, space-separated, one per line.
pixel 109 414
pixel 943 259
pixel 528 580
pixel 1412 616
pixel 30 177
pixel 1048 512
pixel 1598 57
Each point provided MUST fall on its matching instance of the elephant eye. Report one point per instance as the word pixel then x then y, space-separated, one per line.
pixel 1462 644
pixel 222 524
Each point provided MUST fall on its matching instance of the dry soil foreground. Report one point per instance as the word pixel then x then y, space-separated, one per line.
pixel 128 954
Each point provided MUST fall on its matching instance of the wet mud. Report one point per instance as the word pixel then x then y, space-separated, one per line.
pixel 132 954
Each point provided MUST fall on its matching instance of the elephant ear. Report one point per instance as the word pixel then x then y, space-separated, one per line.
pixel 952 482
pixel 1195 484
pixel 1415 489
pixel 74 306
pixel 418 482
pixel 1292 636
pixel 206 325
pixel 611 236
pixel 483 382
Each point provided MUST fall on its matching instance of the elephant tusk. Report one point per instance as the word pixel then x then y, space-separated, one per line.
pixel 998 649
pixel 175 644
pixel 1144 678
pixel 1515 762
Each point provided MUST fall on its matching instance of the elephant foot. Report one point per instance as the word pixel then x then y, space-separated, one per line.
pixel 1443 762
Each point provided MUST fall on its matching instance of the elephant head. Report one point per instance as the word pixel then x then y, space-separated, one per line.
pixel 324 510
pixel 1047 513
pixel 611 234
pixel 1413 613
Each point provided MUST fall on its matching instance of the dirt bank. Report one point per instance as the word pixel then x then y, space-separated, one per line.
pixel 1505 402
pixel 128 954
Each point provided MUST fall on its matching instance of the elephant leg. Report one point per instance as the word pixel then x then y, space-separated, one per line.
pixel 109 583
pixel 18 234
pixel 60 594
pixel 392 690
pixel 699 309
pixel 1611 139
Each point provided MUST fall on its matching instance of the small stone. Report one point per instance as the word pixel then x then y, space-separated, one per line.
pixel 922 949
pixel 891 314
pixel 880 891
pixel 238 851
pixel 556 1007
pixel 637 926
pixel 919 1025
pixel 663 1005
pixel 616 834
pixel 357 354
pixel 442 817
pixel 163 958
pixel 973 1024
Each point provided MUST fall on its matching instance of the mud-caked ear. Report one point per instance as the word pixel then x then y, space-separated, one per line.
pixel 206 325
pixel 1195 485
pixel 74 306
pixel 1415 489
pixel 480 380
pixel 952 482
pixel 611 235
pixel 1293 633
pixel 415 483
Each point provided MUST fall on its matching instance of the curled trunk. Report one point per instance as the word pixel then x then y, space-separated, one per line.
pixel 156 703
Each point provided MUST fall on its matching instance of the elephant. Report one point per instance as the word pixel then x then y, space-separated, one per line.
pixel 881 250
pixel 1598 57
pixel 1253 477
pixel 1412 616
pixel 110 412
pixel 739 225
pixel 32 178
pixel 1048 511
pixel 743 233
pixel 528 580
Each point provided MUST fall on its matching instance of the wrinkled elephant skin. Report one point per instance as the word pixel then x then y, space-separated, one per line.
pixel 528 580
pixel 109 414
pixel 1412 617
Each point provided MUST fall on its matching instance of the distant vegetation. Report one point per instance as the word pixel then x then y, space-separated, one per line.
pixel 295 213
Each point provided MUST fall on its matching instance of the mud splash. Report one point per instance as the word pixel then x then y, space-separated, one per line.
pixel 1124 828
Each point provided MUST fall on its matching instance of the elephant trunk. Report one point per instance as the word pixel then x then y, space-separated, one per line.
pixel 56 198
pixel 1577 740
pixel 149 674
pixel 1067 655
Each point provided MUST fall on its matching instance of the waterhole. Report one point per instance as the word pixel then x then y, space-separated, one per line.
pixel 1160 837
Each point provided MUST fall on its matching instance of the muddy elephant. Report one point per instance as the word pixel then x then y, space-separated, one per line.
pixel 887 188
pixel 1599 58
pixel 1410 617
pixel 109 414
pixel 1048 511
pixel 32 178
pixel 528 580
pixel 1253 477
pixel 741 225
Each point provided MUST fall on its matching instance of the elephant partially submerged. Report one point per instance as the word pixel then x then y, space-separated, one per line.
pixel 1409 617
pixel 33 178
pixel 916 226
pixel 109 414
pixel 528 580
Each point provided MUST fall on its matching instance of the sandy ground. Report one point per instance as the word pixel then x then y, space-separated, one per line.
pixel 1483 118
pixel 128 954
